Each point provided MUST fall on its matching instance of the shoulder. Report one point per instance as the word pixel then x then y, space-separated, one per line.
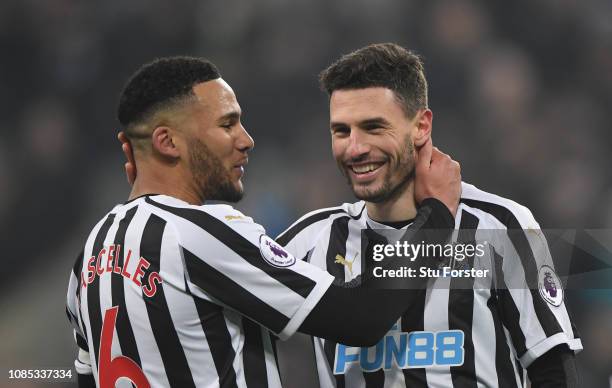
pixel 218 220
pixel 320 219
pixel 508 212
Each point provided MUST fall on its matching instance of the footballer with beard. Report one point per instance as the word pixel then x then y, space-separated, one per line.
pixel 461 332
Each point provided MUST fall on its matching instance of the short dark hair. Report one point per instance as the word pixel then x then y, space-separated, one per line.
pixel 385 65
pixel 161 82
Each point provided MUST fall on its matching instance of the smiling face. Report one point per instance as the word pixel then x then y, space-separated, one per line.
pixel 216 143
pixel 373 141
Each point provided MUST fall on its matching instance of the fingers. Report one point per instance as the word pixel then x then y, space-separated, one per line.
pixel 438 156
pixel 424 155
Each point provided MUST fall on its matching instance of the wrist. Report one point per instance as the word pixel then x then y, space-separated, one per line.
pixel 442 212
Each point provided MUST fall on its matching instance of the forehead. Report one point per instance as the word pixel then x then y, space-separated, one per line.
pixel 216 97
pixel 359 104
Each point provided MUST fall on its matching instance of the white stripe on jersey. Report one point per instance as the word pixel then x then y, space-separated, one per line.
pixel 436 320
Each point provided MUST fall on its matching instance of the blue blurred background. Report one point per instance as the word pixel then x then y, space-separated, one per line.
pixel 521 94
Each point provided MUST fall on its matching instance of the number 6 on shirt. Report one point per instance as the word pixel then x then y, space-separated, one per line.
pixel 110 370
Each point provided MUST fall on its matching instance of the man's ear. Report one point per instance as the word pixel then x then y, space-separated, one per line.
pixel 164 142
pixel 423 123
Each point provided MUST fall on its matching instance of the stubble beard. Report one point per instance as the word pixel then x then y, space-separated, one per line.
pixel 210 177
pixel 389 190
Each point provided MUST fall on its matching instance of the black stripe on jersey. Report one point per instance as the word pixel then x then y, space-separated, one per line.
pixel 336 246
pixel 168 342
pixel 508 311
pixel 219 341
pixel 78 265
pixel 300 284
pixel 84 328
pixel 374 379
pixel 503 355
pixel 523 248
pixel 93 292
pixel 253 355
pixel 232 294
pixel 71 317
pixel 77 269
pixel 125 335
pixel 461 306
pixel 413 319
pixel 521 372
pixel 81 342
pixel 293 231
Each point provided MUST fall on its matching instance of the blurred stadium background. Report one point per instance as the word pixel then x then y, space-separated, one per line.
pixel 521 93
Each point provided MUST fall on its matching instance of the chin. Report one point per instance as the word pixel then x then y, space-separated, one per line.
pixel 367 193
pixel 239 187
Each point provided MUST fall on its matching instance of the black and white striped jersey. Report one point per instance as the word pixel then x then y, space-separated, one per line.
pixel 458 335
pixel 168 294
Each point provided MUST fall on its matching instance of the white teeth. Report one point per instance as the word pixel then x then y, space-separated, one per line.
pixel 364 168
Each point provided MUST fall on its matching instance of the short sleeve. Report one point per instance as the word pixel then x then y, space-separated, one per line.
pixel 532 295
pixel 231 261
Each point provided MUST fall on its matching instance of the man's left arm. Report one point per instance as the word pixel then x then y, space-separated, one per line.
pixel 555 369
pixel 532 306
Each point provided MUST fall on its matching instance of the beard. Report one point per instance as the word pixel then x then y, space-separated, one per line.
pixel 210 177
pixel 391 188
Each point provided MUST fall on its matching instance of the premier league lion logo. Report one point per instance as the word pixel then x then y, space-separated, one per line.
pixel 550 286
pixel 274 254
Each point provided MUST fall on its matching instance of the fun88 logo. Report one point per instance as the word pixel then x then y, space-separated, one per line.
pixel 417 349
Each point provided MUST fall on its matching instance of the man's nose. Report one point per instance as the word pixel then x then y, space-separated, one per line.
pixel 244 142
pixel 358 145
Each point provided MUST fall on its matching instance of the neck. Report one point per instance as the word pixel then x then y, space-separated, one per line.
pixel 160 179
pixel 400 207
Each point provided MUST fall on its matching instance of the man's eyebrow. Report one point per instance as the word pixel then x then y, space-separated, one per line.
pixel 375 121
pixel 234 115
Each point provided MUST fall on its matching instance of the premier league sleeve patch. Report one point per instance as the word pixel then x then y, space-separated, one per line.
pixel 274 254
pixel 550 286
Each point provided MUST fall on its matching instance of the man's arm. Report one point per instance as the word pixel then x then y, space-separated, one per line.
pixel 555 369
pixel 282 297
pixel 82 362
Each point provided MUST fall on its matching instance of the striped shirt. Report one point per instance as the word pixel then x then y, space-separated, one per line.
pixel 169 294
pixel 461 334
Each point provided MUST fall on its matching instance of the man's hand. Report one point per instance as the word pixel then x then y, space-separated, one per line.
pixel 437 176
pixel 130 165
